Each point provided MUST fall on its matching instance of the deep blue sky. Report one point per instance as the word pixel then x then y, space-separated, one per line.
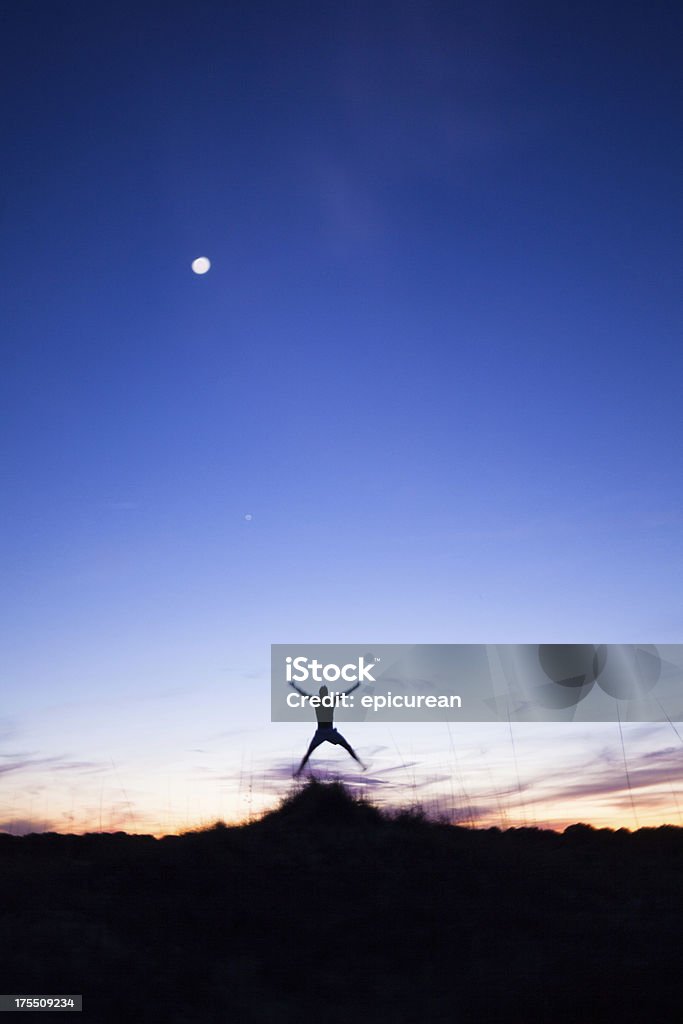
pixel 437 356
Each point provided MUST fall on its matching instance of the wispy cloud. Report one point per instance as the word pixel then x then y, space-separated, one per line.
pixel 607 777
pixel 29 763
pixel 19 763
pixel 23 826
pixel 81 767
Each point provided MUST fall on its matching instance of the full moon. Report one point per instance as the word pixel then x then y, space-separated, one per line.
pixel 201 265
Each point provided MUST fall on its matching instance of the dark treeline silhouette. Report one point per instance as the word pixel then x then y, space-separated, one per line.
pixel 327 910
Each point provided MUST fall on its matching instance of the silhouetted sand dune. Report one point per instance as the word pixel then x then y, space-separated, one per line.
pixel 328 910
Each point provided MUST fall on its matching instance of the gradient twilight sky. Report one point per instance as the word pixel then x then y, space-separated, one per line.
pixel 437 359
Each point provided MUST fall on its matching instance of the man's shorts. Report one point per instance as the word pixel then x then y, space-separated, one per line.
pixel 328 734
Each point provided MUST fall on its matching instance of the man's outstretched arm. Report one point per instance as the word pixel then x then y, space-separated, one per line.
pixel 351 688
pixel 299 690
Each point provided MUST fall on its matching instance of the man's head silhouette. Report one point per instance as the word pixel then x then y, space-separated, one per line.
pixel 323 691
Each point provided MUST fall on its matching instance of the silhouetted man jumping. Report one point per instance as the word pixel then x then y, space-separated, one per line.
pixel 326 732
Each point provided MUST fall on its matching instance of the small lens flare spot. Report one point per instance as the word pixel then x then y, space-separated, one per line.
pixel 248 516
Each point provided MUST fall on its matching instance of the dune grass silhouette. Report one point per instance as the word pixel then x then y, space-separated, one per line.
pixel 328 909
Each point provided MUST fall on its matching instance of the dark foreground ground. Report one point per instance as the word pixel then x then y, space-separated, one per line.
pixel 327 911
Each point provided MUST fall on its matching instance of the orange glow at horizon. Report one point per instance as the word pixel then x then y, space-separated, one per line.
pixel 113 808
